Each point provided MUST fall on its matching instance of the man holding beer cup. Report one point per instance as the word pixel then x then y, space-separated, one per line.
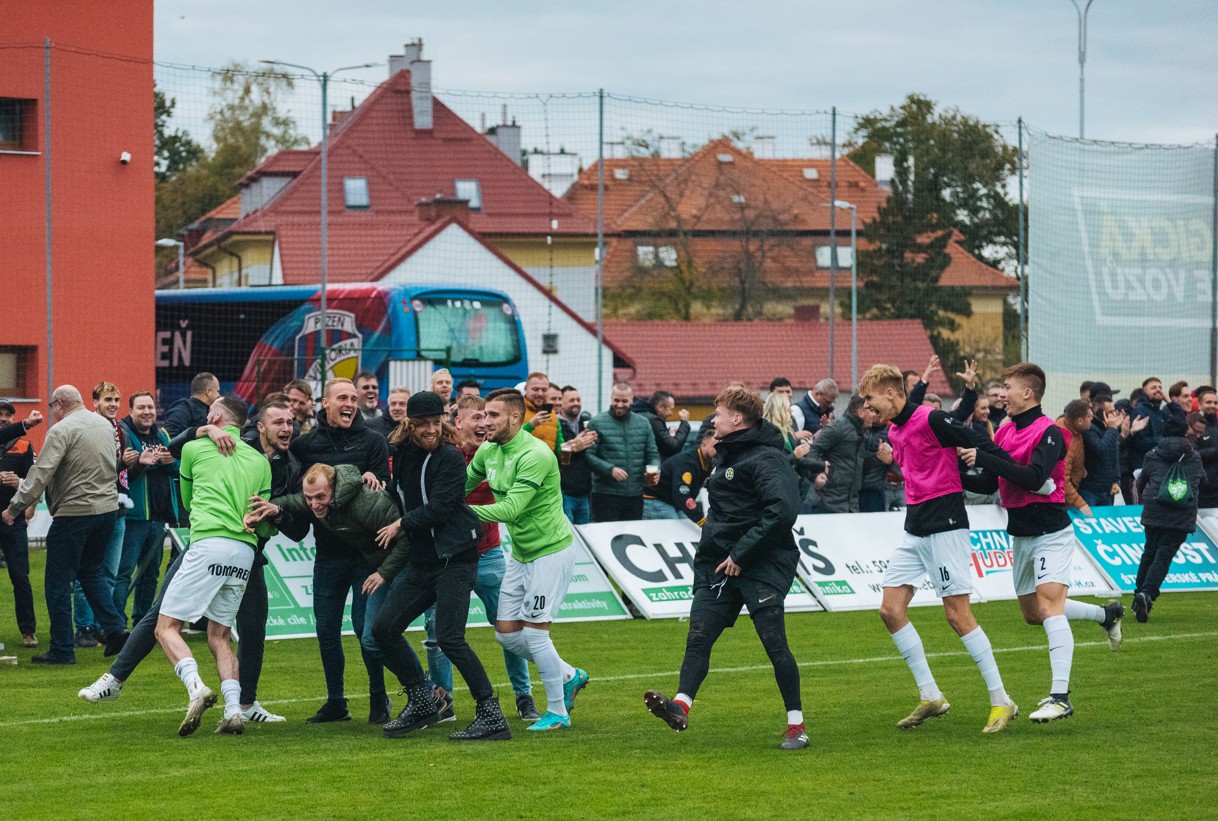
pixel 625 446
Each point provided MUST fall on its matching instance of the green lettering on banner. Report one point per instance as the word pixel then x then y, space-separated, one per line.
pixel 835 588
pixel 678 592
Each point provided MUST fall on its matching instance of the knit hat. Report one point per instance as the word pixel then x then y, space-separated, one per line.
pixel 424 403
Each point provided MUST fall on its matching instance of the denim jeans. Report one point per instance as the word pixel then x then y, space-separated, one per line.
pixel 76 549
pixel 333 577
pixel 491 567
pixel 15 543
pixel 447 586
pixel 658 509
pixel 577 509
pixel 82 613
pixel 143 548
pixel 1096 499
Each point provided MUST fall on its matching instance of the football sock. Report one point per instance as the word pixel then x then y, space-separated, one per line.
pixel 795 717
pixel 514 643
pixel 568 672
pixel 1080 611
pixel 231 689
pixel 188 671
pixel 909 645
pixel 549 666
pixel 1061 652
pixel 978 645
pixel 684 701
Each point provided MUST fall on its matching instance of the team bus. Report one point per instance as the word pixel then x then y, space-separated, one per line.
pixel 257 339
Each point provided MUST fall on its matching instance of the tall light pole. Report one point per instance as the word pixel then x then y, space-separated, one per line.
pixel 854 287
pixel 166 242
pixel 322 77
pixel 1082 55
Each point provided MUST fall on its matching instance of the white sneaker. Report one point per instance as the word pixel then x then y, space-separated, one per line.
pixel 256 712
pixel 199 702
pixel 231 725
pixel 106 688
pixel 1051 709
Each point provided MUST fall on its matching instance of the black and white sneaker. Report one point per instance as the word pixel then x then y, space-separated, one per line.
pixel 1113 611
pixel 666 710
pixel 526 708
pixel 444 706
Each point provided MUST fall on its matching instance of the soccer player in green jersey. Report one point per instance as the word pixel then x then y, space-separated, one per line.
pixel 523 476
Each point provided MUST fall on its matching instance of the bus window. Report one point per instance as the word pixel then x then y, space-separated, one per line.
pixel 481 331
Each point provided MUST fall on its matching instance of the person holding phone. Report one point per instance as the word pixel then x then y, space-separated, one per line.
pixel 540 418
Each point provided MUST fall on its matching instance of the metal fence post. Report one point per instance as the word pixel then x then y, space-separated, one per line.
pixel 600 251
pixel 832 241
pixel 1021 254
pixel 1214 274
pixel 46 162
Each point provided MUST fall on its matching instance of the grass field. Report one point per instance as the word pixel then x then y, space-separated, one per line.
pixel 1143 743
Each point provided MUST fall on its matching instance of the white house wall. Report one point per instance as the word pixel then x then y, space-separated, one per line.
pixel 453 257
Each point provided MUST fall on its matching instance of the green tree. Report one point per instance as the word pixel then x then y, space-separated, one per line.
pixel 905 255
pixel 964 163
pixel 175 150
pixel 246 126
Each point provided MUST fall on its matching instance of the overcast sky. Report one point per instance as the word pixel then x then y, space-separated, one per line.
pixel 1152 67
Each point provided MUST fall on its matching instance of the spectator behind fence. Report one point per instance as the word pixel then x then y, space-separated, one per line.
pixel 573 464
pixel 1076 421
pixel 815 409
pixel 681 480
pixel 623 458
pixel 368 393
pixel 300 397
pixel 192 411
pixel 873 490
pixel 16 459
pixel 395 409
pixel 841 446
pixel 656 412
pixel 1154 407
pixel 442 385
pixel 1180 399
pixel 1101 449
pixel 540 417
pixel 78 471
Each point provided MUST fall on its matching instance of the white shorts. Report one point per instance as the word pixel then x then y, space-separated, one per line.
pixel 533 591
pixel 1042 559
pixel 210 582
pixel 941 556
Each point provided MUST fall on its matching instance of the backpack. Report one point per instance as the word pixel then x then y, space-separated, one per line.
pixel 1175 490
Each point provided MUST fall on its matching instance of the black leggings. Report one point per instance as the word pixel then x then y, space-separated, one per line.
pixel 1161 546
pixel 448 588
pixel 704 631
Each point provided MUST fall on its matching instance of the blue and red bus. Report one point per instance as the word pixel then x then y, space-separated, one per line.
pixel 255 340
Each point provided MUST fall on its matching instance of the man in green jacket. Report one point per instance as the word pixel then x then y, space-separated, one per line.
pixel 523 476
pixel 621 459
pixel 211 580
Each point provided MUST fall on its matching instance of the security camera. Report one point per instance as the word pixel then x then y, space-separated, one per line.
pixel 125 157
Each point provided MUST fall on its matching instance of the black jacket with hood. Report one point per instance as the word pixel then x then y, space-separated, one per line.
pixel 1155 465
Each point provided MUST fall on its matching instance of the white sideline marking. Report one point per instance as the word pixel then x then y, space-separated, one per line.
pixel 633 676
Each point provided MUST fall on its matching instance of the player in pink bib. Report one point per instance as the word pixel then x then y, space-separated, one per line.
pixel 936 544
pixel 1031 481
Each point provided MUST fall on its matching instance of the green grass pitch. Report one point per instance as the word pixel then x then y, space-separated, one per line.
pixel 1142 744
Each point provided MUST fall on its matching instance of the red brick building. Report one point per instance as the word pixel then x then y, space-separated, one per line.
pixel 101 208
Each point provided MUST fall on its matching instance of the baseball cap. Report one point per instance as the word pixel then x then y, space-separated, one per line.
pixel 1102 389
pixel 424 403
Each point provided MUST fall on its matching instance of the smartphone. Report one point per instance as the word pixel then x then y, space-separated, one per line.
pixel 548 407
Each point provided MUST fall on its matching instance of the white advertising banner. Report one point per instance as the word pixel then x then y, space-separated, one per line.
pixel 652 561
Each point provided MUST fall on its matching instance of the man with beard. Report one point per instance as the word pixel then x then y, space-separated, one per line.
pixel 523 476
pixel 747 557
pixel 442 564
pixel 471 427
pixel 275 428
pixel 625 446
pixel 342 438
pixel 368 391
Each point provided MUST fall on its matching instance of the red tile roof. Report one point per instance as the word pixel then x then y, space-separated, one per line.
pixel 695 360
pixel 403 165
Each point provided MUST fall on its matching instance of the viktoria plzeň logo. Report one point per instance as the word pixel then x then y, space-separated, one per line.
pixel 991 552
pixel 343 344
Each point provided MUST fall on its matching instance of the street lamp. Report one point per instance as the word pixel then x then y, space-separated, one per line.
pixel 166 242
pixel 854 288
pixel 1082 55
pixel 322 77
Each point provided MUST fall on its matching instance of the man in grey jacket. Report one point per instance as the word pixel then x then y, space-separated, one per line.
pixel 841 444
pixel 78 469
pixel 625 448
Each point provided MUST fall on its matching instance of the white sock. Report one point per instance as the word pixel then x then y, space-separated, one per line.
pixel 549 667
pixel 909 645
pixel 1080 611
pixel 1061 652
pixel 978 646
pixel 568 672
pixel 109 679
pixel 514 643
pixel 188 671
pixel 795 716
pixel 231 688
pixel 684 699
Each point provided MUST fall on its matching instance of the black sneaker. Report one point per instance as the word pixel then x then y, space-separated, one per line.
pixel 444 706
pixel 84 638
pixel 47 658
pixel 115 642
pixel 1141 607
pixel 526 708
pixel 1113 611
pixel 380 708
pixel 489 724
pixel 666 710
pixel 335 710
pixel 420 712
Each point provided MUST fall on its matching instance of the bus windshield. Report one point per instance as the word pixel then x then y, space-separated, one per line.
pixel 481 331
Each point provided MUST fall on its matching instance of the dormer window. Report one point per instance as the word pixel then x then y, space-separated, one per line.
pixel 355 193
pixel 470 191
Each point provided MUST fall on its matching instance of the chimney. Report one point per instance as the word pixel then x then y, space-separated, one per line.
pixel 401 62
pixel 764 148
pixel 441 207
pixel 670 147
pixel 885 169
pixel 615 150
pixel 820 151
pixel 506 137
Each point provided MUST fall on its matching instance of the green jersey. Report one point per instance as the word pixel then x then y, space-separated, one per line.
pixel 523 476
pixel 216 489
